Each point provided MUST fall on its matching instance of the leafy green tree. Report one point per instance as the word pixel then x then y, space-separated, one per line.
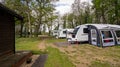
pixel 107 11
pixel 43 8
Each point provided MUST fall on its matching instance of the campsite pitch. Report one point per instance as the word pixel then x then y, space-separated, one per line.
pixel 82 55
pixel 86 55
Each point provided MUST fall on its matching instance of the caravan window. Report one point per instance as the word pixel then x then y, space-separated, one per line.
pixel 117 33
pixel 55 32
pixel 85 30
pixel 75 30
pixel 64 32
pixel 106 34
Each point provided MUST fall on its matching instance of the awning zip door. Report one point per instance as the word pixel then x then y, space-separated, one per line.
pixel 117 36
pixel 107 38
pixel 93 36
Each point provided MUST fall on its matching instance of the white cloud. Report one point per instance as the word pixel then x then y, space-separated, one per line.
pixel 63 9
pixel 64 6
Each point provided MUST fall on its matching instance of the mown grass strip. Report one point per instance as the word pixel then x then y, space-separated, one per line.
pixel 29 44
pixel 100 64
pixel 57 59
pixel 54 40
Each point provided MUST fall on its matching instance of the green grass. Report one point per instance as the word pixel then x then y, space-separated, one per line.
pixel 57 59
pixel 53 40
pixel 100 64
pixel 28 44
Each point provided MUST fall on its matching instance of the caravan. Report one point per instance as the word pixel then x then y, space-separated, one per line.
pixel 64 33
pixel 69 33
pixel 96 34
pixel 55 33
pixel 80 34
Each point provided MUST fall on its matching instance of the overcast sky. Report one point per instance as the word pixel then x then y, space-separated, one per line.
pixel 64 6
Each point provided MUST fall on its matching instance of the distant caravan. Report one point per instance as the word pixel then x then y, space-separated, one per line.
pixel 63 33
pixel 55 33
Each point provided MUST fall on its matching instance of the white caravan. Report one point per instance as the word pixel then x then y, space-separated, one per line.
pixel 69 33
pixel 62 33
pixel 55 33
pixel 80 34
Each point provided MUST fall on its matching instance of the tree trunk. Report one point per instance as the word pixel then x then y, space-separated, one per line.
pixel 21 30
pixel 64 25
pixel 97 20
pixel 116 11
pixel 103 15
pixel 37 30
pixel 29 27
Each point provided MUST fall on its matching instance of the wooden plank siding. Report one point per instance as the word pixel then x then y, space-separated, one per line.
pixel 7 30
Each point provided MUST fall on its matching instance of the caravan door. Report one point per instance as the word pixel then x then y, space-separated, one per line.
pixel 107 38
pixel 117 35
pixel 93 36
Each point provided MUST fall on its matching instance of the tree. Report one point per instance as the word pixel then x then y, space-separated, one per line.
pixel 22 8
pixel 107 11
pixel 43 8
pixel 50 20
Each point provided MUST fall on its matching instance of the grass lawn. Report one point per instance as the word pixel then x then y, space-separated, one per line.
pixel 53 40
pixel 93 56
pixel 57 59
pixel 85 55
pixel 28 44
pixel 82 55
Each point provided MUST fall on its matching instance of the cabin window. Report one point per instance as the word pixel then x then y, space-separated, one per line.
pixel 117 33
pixel 106 34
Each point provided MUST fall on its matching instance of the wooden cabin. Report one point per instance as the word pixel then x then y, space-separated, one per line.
pixel 8 56
pixel 7 30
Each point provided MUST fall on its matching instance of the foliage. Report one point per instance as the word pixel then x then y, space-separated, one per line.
pixel 81 14
pixel 36 13
pixel 101 11
pixel 107 11
pixel 39 14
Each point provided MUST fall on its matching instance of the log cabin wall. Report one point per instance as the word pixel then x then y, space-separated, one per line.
pixel 7 35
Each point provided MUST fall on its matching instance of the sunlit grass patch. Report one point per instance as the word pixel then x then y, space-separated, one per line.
pixel 28 44
pixel 54 40
pixel 100 64
pixel 57 59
